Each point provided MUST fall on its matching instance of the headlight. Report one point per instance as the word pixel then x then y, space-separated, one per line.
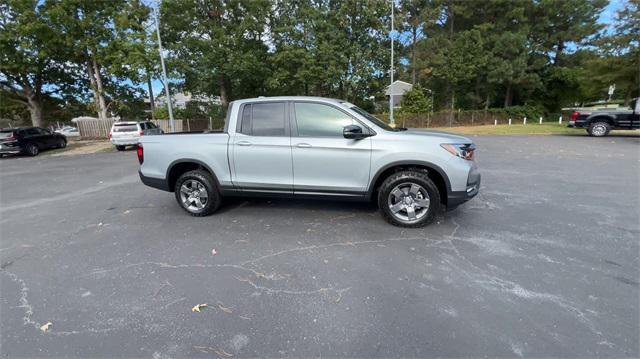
pixel 462 150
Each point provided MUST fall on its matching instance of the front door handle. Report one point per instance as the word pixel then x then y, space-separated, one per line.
pixel 303 145
pixel 243 143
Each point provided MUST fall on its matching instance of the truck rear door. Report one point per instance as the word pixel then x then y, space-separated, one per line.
pixel 261 148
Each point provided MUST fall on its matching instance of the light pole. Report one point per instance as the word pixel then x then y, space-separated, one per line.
pixel 391 119
pixel 164 72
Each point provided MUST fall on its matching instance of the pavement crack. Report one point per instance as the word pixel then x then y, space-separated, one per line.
pixel 269 290
pixel 341 244
pixel 24 300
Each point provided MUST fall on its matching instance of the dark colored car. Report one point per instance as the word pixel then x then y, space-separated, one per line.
pixel 29 140
pixel 599 122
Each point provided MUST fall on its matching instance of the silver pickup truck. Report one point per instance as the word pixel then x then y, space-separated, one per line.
pixel 313 147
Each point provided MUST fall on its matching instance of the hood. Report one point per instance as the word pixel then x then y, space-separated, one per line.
pixel 446 137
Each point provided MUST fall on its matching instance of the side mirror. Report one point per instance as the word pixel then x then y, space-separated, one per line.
pixel 353 132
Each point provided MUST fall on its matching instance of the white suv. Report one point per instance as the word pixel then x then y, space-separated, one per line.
pixel 128 133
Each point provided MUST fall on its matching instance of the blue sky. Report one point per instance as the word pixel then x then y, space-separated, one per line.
pixel 607 17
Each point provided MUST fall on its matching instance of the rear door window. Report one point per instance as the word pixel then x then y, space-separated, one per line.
pixel 264 119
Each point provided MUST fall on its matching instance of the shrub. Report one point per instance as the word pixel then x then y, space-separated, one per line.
pixel 416 101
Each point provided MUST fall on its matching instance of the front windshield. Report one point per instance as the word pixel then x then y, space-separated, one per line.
pixel 378 122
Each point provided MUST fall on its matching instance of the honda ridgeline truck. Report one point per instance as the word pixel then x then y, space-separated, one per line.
pixel 313 147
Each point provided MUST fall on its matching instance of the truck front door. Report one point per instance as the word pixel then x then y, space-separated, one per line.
pixel 261 149
pixel 324 162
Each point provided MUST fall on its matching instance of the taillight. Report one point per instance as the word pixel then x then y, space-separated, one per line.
pixel 140 152
pixel 574 115
pixel 110 135
pixel 141 133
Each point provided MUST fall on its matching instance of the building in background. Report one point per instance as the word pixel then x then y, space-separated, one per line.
pixel 398 89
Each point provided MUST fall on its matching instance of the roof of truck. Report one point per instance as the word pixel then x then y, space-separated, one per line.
pixel 289 98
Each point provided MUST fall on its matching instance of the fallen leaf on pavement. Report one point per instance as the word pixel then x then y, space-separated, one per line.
pixel 45 327
pixel 198 307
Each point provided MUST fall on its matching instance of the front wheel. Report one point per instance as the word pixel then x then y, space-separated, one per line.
pixel 409 199
pixel 196 192
pixel 599 129
pixel 62 144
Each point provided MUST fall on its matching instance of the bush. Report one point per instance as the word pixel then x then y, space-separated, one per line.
pixel 416 101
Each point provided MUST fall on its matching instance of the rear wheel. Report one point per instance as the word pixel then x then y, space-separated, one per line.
pixel 120 147
pixel 32 149
pixel 599 129
pixel 196 192
pixel 62 144
pixel 409 199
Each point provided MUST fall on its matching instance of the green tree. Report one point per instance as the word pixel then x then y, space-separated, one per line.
pixel 31 65
pixel 217 46
pixel 106 38
pixel 416 101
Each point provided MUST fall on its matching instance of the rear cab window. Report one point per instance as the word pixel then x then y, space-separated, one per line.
pixel 264 119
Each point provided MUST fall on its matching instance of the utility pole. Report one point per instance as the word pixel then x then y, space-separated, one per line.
pixel 164 72
pixel 391 119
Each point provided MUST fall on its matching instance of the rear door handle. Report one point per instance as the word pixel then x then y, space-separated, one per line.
pixel 243 143
pixel 303 145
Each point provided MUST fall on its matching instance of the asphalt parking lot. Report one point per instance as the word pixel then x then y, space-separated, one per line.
pixel 544 262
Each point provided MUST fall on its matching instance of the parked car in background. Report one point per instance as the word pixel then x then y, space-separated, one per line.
pixel 29 140
pixel 313 147
pixel 125 134
pixel 599 122
pixel 68 131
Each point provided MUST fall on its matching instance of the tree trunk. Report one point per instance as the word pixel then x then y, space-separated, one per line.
pixel 96 86
pixel 453 105
pixel 508 96
pixel 32 100
pixel 102 105
pixel 413 55
pixel 151 100
pixel 559 49
pixel 35 110
pixel 224 95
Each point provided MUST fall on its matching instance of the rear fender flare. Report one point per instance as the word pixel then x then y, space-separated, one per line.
pixel 190 160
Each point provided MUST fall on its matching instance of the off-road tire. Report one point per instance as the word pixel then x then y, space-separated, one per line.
pixel 213 195
pixel 419 178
